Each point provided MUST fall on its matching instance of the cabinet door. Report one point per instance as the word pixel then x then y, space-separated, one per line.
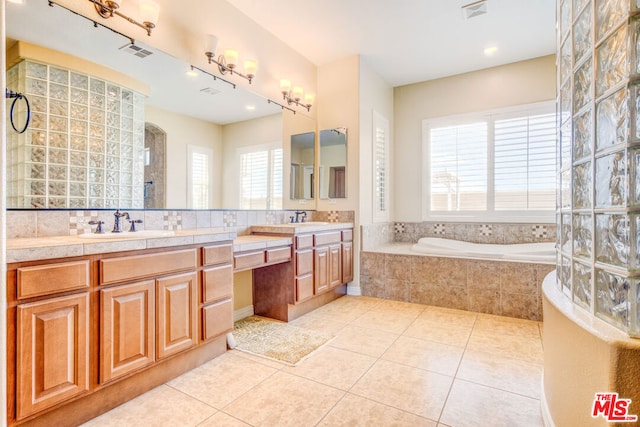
pixel 126 328
pixel 321 270
pixel 52 352
pixel 347 262
pixel 176 316
pixel 335 265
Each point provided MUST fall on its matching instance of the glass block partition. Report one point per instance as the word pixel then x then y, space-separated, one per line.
pixel 598 208
pixel 84 146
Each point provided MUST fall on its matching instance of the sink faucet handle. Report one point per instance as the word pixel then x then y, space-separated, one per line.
pixel 99 229
pixel 133 223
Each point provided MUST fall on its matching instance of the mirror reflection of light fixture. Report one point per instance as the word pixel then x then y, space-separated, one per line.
pixel 295 95
pixel 149 12
pixel 228 62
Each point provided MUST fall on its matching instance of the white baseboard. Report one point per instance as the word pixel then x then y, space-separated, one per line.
pixel 243 312
pixel 544 408
pixel 354 290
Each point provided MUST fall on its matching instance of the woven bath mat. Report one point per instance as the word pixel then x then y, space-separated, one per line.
pixel 277 340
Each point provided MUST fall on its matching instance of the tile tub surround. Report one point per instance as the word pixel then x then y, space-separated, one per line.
pixel 475 232
pixel 494 287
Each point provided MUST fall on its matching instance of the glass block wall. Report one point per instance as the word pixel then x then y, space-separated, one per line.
pixel 598 203
pixel 84 146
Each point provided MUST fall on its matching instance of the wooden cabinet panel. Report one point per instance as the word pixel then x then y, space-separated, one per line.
pixel 347 235
pixel 327 238
pixel 52 352
pixel 176 316
pixel 217 319
pixel 51 278
pixel 320 270
pixel 304 262
pixel 212 255
pixel 248 260
pixel 304 242
pixel 121 269
pixel 217 283
pixel 304 287
pixel 347 262
pixel 278 255
pixel 126 328
pixel 335 265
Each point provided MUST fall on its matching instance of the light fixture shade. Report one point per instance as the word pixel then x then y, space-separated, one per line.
pixel 297 92
pixel 309 98
pixel 285 85
pixel 250 67
pixel 149 11
pixel 210 43
pixel 231 56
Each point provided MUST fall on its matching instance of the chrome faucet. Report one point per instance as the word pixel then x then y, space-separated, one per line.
pixel 117 227
pixel 302 214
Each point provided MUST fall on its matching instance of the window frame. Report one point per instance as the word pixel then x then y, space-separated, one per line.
pixel 490 214
pixel 269 148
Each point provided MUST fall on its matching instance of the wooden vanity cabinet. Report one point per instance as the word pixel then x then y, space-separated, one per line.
pixel 347 256
pixel 217 291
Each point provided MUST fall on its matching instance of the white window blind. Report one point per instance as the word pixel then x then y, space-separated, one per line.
pixel 380 167
pixel 498 164
pixel 459 167
pixel 261 178
pixel 525 162
pixel 199 188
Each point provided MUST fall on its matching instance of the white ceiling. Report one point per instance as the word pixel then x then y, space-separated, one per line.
pixel 408 41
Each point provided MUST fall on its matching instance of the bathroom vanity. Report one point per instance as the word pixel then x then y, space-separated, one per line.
pixel 93 323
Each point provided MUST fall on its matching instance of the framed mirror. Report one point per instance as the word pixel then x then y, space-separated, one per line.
pixel 332 168
pixel 302 172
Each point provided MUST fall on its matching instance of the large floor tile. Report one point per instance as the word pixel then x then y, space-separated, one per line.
pixel 513 346
pixel 340 312
pixel 402 307
pixel 363 340
pixel 473 405
pixel 354 411
pixel 334 367
pixel 220 419
pixel 350 302
pixel 391 321
pixel 501 372
pixel 162 406
pixel 221 380
pixel 285 400
pixel 429 355
pixel 449 317
pixel 501 325
pixel 409 389
pixel 318 323
pixel 441 333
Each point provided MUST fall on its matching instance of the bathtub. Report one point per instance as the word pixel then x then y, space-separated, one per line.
pixel 523 252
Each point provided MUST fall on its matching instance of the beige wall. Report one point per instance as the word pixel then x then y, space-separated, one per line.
pixel 265 130
pixel 508 85
pixel 181 131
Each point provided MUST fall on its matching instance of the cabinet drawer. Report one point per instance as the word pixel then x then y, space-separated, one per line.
pixel 217 283
pixel 217 254
pixel 304 288
pixel 135 267
pixel 327 238
pixel 278 255
pixel 304 262
pixel 49 279
pixel 248 260
pixel 217 319
pixel 347 235
pixel 304 242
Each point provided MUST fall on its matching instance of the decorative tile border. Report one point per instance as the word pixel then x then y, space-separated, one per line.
pixel 398 227
pixel 486 229
pixel 79 222
pixel 439 229
pixel 172 220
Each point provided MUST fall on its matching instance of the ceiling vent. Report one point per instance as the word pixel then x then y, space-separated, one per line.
pixel 210 91
pixel 138 51
pixel 474 9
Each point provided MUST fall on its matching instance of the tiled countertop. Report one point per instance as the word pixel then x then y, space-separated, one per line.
pixel 39 248
pixel 253 243
pixel 301 227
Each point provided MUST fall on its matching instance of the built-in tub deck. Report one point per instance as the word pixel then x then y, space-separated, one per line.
pixel 495 286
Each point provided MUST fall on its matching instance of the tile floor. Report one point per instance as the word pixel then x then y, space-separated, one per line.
pixel 391 363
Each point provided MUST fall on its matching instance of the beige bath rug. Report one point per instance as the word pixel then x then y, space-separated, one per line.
pixel 277 340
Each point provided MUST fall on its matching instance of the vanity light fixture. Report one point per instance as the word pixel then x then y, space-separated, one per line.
pixel 149 12
pixel 228 62
pixel 192 72
pixel 295 95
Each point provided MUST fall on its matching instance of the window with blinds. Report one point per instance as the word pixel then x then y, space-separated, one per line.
pixel 380 167
pixel 199 187
pixel 261 178
pixel 492 164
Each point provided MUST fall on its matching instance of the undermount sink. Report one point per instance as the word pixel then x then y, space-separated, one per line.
pixel 310 223
pixel 142 234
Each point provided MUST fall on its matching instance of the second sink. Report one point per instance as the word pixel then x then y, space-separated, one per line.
pixel 142 234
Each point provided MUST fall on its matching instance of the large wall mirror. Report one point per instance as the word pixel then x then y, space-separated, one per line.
pixel 302 173
pixel 74 163
pixel 332 169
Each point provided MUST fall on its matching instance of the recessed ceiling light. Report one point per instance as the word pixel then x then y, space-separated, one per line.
pixel 16 1
pixel 192 72
pixel 250 107
pixel 488 51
